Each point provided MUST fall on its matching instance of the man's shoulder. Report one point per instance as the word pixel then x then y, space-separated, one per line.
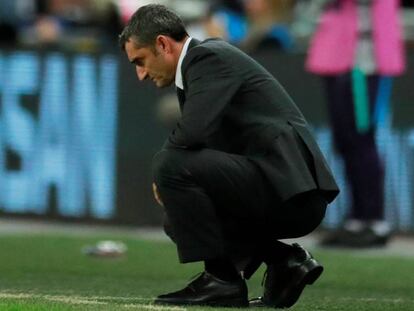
pixel 216 47
pixel 212 45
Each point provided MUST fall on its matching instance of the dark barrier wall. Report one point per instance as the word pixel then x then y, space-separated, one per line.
pixel 78 132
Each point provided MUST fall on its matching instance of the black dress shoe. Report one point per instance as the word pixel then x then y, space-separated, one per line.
pixel 207 290
pixel 284 283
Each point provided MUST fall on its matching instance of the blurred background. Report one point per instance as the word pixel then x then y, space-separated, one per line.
pixel 78 132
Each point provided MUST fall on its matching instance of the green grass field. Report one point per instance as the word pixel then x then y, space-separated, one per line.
pixel 49 272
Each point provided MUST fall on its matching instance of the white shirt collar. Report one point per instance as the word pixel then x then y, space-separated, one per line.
pixel 178 76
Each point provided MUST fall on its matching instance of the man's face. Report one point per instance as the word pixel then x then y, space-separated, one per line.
pixel 152 63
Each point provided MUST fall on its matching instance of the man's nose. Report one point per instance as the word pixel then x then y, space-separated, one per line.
pixel 141 73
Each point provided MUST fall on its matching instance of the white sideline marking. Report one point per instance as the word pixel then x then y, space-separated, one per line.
pixel 64 299
pixel 93 300
pixel 118 298
pixel 74 300
pixel 15 296
pixel 366 299
pixel 11 295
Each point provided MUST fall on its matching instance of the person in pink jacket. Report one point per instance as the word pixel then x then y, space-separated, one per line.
pixel 357 48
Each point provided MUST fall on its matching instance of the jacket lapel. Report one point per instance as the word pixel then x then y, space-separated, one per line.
pixel 193 43
pixel 181 97
pixel 181 93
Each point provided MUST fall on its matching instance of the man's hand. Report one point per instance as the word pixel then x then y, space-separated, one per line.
pixel 156 194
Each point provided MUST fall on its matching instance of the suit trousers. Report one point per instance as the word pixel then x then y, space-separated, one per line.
pixel 363 166
pixel 219 205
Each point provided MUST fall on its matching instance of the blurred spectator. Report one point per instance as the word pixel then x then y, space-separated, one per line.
pixel 193 13
pixel 84 25
pixel 108 19
pixel 227 20
pixel 357 48
pixel 268 25
pixel 408 20
pixel 13 15
pixel 128 7
pixel 305 19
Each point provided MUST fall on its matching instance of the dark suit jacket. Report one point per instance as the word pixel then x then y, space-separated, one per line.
pixel 232 104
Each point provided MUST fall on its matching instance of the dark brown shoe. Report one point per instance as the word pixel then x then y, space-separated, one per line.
pixel 207 290
pixel 284 283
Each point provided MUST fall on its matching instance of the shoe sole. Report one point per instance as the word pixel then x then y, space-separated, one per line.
pixel 307 274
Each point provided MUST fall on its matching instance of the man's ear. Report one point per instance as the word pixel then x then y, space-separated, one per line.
pixel 163 44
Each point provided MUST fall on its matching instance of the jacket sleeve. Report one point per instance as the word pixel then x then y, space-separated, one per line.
pixel 211 85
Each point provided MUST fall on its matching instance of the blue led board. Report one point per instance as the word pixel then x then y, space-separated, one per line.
pixel 58 121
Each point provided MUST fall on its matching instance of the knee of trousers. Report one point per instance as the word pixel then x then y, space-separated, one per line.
pixel 316 214
pixel 169 164
pixel 308 211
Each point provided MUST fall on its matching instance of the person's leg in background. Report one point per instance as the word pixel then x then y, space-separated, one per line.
pixel 364 226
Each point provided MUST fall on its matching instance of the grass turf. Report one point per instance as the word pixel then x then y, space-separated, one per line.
pixel 49 272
